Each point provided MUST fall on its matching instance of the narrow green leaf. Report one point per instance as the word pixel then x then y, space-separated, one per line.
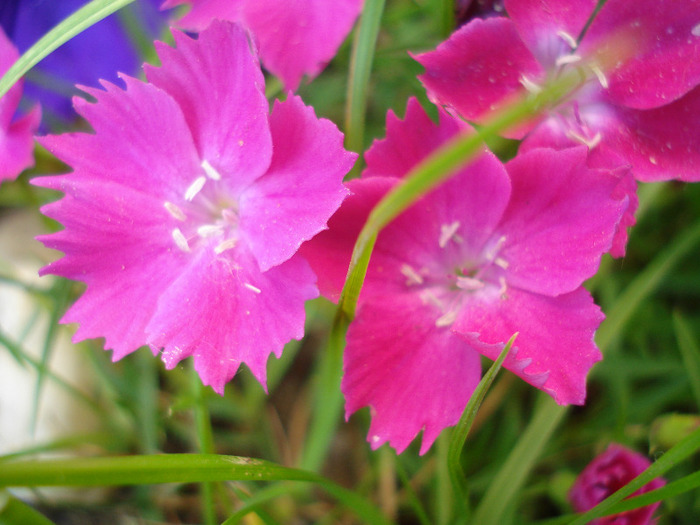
pixel 680 486
pixel 83 18
pixel 690 351
pixel 16 512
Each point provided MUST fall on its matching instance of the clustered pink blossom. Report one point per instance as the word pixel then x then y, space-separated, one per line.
pixel 295 37
pixel 16 134
pixel 605 475
pixel 495 250
pixel 186 206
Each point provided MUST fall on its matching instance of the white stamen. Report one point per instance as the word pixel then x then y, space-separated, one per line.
pixel 600 76
pixel 209 230
pixel 195 188
pixel 447 232
pixel 412 276
pixel 591 143
pixel 492 252
pixel 426 296
pixel 180 240
pixel 503 288
pixel 529 85
pixel 225 245
pixel 696 30
pixel 653 160
pixel 252 288
pixel 566 37
pixel 175 211
pixel 501 262
pixel 567 59
pixel 210 170
pixel 469 283
pixel 446 319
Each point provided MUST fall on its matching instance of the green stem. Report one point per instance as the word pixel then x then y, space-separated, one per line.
pixel 206 443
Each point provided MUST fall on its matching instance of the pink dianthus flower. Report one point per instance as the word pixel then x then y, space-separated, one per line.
pixel 186 207
pixel 295 37
pixel 493 251
pixel 605 475
pixel 16 134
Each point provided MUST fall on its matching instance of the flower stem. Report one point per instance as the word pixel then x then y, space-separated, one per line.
pixel 206 444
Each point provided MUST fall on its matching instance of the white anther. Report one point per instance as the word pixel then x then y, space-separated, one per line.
pixel 529 85
pixel 600 76
pixel 566 37
pixel 210 170
pixel 469 283
pixel 225 245
pixel 567 59
pixel 503 288
pixel 209 230
pixel 252 288
pixel 175 211
pixel 501 262
pixel 591 143
pixel 180 240
pixel 446 319
pixel 195 188
pixel 412 276
pixel 696 30
pixel 492 252
pixel 426 296
pixel 447 233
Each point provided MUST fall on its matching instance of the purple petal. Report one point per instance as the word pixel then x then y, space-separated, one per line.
pixel 224 312
pixel 479 68
pixel 554 350
pixel 666 46
pixel 561 218
pixel 218 84
pixel 308 166
pixel 421 380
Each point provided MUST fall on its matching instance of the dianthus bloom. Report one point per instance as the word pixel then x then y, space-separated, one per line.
pixel 186 207
pixel 295 37
pixel 493 251
pixel 643 110
pixel 97 53
pixel 16 134
pixel 608 473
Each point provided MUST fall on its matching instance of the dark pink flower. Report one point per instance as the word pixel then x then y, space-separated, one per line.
pixel 495 250
pixel 186 207
pixel 16 134
pixel 643 111
pixel 608 473
pixel 295 37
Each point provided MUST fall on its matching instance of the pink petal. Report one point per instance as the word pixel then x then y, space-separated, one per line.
pixel 9 101
pixel 308 166
pixel 554 350
pixel 421 380
pixel 224 312
pixel 666 45
pixel 329 252
pixel 218 84
pixel 117 240
pixel 140 141
pixel 202 12
pixel 561 218
pixel 17 145
pixel 538 24
pixel 479 68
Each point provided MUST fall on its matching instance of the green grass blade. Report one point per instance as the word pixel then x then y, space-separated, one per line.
pixel 691 353
pixel 16 512
pixel 83 18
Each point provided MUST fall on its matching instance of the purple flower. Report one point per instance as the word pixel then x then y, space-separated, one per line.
pixel 608 473
pixel 186 207
pixel 493 251
pixel 97 53
pixel 644 111
pixel 16 134
pixel 295 37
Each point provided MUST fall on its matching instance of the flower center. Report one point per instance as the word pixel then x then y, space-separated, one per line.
pixel 204 218
pixel 446 289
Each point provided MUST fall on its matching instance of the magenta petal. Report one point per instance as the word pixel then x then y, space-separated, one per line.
pixel 661 143
pixel 203 12
pixel 479 68
pixel 554 350
pixel 666 44
pixel 538 24
pixel 308 166
pixel 218 84
pixel 223 312
pixel 17 145
pixel 118 242
pixel 420 381
pixel 299 37
pixel 10 100
pixel 329 252
pixel 561 218
pixel 141 141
